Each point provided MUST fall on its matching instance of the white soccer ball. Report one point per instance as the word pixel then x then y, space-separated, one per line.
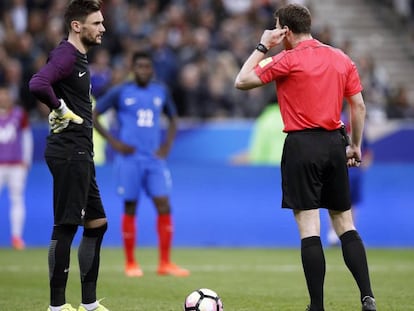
pixel 203 299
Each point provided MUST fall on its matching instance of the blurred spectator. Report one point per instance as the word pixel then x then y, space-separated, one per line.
pixel 18 15
pixel 198 46
pixel 13 78
pixel 36 22
pixel 325 35
pixel 16 150
pixel 52 34
pixel 101 72
pixel 347 47
pixel 220 83
pixel 3 61
pixel 164 58
pixel 186 38
pixel 28 56
pixel 237 7
pixel 398 105
pixel 375 81
pixel 192 93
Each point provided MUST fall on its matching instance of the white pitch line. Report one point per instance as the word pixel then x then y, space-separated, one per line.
pixel 218 268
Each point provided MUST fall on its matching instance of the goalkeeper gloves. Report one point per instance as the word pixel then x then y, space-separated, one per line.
pixel 60 117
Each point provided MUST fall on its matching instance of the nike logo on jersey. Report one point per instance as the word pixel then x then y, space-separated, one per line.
pixel 81 74
pixel 129 101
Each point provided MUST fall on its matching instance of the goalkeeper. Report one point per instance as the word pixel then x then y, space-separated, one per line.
pixel 63 84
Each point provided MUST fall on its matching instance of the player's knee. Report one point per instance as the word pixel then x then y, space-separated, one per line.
pixel 162 205
pixel 130 207
pixel 64 232
pixel 95 223
pixel 95 232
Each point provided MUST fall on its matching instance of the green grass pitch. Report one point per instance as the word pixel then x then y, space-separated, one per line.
pixel 246 279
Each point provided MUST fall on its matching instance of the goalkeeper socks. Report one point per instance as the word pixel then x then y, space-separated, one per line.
pixel 314 267
pixel 165 231
pixel 129 236
pixel 88 257
pixel 353 252
pixel 59 260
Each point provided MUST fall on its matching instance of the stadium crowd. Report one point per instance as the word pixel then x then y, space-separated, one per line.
pixel 197 46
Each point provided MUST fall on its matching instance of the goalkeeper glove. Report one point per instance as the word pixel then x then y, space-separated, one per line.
pixel 60 117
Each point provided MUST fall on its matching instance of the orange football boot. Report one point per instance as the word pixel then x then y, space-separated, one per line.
pixel 172 269
pixel 18 243
pixel 133 270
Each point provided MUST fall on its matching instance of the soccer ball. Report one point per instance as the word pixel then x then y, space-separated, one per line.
pixel 203 299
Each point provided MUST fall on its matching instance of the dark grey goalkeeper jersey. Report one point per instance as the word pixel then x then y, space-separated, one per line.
pixel 66 76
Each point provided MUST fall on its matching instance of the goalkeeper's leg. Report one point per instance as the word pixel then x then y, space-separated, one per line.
pixel 89 258
pixel 59 260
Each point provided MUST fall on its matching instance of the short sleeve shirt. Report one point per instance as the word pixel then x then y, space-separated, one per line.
pixel 311 81
pixel 139 111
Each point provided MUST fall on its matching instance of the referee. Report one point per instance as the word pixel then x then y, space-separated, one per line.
pixel 312 79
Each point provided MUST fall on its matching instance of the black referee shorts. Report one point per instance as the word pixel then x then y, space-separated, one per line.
pixel 314 171
pixel 76 196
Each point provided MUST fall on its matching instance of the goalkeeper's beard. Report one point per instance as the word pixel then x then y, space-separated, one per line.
pixel 88 41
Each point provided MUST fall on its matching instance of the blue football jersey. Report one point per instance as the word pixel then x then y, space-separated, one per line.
pixel 139 110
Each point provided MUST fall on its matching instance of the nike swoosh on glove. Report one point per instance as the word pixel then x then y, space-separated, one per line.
pixel 60 118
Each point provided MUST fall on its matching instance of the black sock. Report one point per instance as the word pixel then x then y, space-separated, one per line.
pixel 88 256
pixel 355 259
pixel 59 260
pixel 314 267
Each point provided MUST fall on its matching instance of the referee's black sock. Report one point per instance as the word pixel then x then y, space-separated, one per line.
pixel 59 260
pixel 88 256
pixel 314 267
pixel 355 258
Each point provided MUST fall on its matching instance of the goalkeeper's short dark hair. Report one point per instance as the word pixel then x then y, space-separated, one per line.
pixel 79 10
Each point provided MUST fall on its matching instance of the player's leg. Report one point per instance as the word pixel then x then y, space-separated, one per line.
pixel 129 237
pixel 303 168
pixel 332 238
pixel 165 231
pixel 353 252
pixel 67 212
pixel 89 261
pixel 313 258
pixel 17 183
pixel 337 196
pixel 128 173
pixel 158 186
pixel 95 226
pixel 164 228
pixel 59 262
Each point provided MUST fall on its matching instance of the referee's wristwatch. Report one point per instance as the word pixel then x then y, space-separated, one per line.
pixel 262 48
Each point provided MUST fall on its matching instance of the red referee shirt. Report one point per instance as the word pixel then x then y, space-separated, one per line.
pixel 311 81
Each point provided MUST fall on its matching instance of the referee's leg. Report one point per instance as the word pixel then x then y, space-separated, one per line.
pixel 313 258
